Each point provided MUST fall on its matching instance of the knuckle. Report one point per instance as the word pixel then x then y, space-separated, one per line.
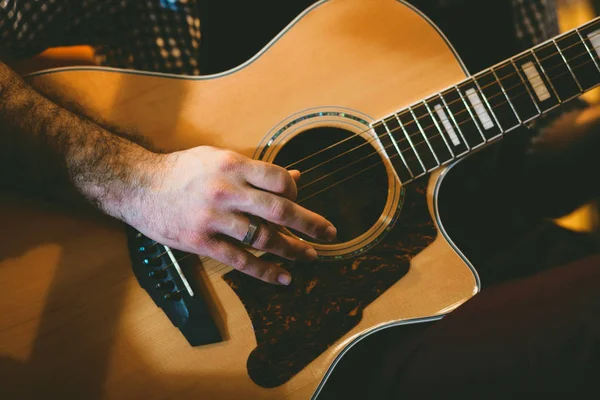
pixel 265 238
pixel 208 223
pixel 239 262
pixel 316 228
pixel 293 190
pixel 279 210
pixel 281 183
pixel 219 193
pixel 230 162
pixel 200 220
pixel 195 239
pixel 210 244
pixel 266 275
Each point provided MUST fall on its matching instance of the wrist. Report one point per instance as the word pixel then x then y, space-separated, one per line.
pixel 126 182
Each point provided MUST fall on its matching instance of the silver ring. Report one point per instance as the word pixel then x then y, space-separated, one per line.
pixel 252 228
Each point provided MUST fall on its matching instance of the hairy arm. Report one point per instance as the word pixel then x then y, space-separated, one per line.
pixel 195 200
pixel 53 152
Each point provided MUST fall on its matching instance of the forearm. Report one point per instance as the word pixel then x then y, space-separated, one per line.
pixel 196 200
pixel 56 153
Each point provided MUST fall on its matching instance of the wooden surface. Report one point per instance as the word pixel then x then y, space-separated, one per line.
pixel 75 323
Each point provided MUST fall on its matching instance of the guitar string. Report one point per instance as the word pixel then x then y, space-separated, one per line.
pixel 377 151
pixel 420 135
pixel 413 158
pixel 210 272
pixel 472 78
pixel 469 80
pixel 222 267
pixel 429 115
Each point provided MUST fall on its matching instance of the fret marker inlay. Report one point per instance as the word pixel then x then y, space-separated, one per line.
pixel 480 110
pixel 447 125
pixel 536 81
pixel 595 40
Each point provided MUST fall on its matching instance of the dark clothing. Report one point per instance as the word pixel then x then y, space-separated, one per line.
pixel 164 35
pixel 539 335
pixel 148 35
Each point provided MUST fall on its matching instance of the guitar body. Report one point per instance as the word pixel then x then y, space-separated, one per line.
pixel 75 322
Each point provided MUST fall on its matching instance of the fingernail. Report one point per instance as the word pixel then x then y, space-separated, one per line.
pixel 311 254
pixel 295 174
pixel 331 232
pixel 284 279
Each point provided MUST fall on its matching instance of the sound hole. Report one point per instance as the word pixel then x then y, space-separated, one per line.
pixel 343 178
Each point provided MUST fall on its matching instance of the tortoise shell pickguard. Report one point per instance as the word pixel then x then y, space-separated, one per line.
pixel 295 324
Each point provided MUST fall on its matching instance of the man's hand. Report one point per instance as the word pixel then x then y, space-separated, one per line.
pixel 201 199
pixel 196 200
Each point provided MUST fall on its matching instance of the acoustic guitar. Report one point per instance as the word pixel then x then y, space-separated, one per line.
pixel 91 309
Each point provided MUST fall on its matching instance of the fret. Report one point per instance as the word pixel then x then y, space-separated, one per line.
pixel 403 150
pixel 418 141
pixel 556 71
pixel 406 146
pixel 594 38
pixel 531 96
pixel 475 96
pixel 393 153
pixel 440 148
pixel 479 105
pixel 535 82
pixel 470 112
pixel 545 103
pixel 587 47
pixel 464 118
pixel 451 126
pixel 590 35
pixel 512 107
pixel 439 129
pixel 416 120
pixel 568 66
pixel 498 99
pixel 574 50
pixel 484 107
pixel 517 90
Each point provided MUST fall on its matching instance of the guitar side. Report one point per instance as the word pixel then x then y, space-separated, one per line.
pixel 74 317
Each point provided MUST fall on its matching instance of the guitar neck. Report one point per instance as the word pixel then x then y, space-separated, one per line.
pixel 450 124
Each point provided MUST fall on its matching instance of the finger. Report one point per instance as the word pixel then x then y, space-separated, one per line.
pixel 272 178
pixel 282 211
pixel 249 264
pixel 266 238
pixel 295 175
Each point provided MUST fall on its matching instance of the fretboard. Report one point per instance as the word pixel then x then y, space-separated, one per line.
pixel 482 108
